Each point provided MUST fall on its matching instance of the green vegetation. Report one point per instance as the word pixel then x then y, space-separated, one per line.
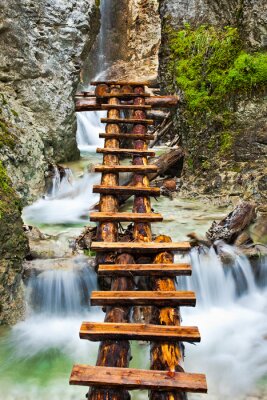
pixel 209 65
pixel 9 199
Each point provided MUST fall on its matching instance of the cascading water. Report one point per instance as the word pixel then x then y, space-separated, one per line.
pixel 231 315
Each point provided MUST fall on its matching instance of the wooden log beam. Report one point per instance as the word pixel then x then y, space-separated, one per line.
pixel 126 168
pixel 92 104
pixel 112 353
pixel 125 217
pixel 165 356
pixel 136 247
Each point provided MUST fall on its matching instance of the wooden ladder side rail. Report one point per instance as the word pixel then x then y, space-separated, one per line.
pixel 166 357
pixel 112 353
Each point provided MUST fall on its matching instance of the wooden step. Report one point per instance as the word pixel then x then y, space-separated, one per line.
pixel 110 150
pixel 126 136
pixel 127 121
pixel 141 247
pixel 124 217
pixel 126 190
pixel 143 298
pixel 144 269
pixel 96 332
pixel 126 168
pixel 123 95
pixel 125 107
pixel 121 83
pixel 128 378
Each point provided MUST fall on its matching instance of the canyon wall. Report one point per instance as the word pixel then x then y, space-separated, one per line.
pixel 222 115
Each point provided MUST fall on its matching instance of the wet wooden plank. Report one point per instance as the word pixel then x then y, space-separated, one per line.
pixel 126 168
pixel 126 136
pixel 121 83
pixel 110 150
pixel 97 331
pixel 145 270
pixel 127 121
pixel 129 378
pixel 126 190
pixel 122 96
pixel 172 298
pixel 124 217
pixel 141 247
pixel 126 107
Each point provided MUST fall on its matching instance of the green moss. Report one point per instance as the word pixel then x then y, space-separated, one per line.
pixel 226 141
pixel 9 199
pixel 206 165
pixel 6 138
pixel 89 253
pixel 209 65
pixel 97 3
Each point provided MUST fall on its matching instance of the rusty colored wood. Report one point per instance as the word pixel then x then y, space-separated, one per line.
pixel 126 190
pixel 94 104
pixel 85 375
pixel 145 270
pixel 112 353
pixel 122 136
pixel 97 331
pixel 126 168
pixel 124 217
pixel 172 298
pixel 127 107
pixel 110 150
pixel 127 121
pixel 121 83
pixel 135 247
pixel 122 96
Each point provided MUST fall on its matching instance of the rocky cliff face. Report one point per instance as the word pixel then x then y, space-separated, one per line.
pixel 42 45
pixel 222 115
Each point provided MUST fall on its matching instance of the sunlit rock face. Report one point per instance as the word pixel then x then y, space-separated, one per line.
pixel 129 41
pixel 227 154
pixel 42 45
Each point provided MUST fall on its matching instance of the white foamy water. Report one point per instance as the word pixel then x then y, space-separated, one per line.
pixel 231 314
pixel 69 204
pixel 88 129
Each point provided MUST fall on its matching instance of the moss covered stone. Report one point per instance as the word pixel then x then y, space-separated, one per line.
pixel 13 248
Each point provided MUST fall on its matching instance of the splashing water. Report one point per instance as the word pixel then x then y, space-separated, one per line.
pixel 231 315
pixel 69 205
pixel 88 129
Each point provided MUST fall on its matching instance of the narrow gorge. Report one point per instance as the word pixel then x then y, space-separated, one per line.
pixel 213 56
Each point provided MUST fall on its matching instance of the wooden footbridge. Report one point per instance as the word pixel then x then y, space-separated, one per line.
pixel 142 271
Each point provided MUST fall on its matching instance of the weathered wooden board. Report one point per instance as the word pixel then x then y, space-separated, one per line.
pixel 124 217
pixel 110 150
pixel 97 331
pixel 129 135
pixel 127 121
pixel 126 107
pixel 172 298
pixel 126 168
pixel 144 269
pixel 144 247
pixel 126 190
pixel 85 375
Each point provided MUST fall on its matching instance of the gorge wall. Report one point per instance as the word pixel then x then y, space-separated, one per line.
pixel 42 47
pixel 222 115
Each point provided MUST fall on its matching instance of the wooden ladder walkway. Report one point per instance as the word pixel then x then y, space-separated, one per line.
pixel 142 272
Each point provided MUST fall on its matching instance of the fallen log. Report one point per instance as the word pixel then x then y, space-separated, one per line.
pixel 92 104
pixel 233 224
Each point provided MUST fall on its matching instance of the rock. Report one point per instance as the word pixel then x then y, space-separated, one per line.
pixel 42 47
pixel 170 184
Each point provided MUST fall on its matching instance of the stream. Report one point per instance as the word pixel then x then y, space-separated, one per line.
pixel 37 354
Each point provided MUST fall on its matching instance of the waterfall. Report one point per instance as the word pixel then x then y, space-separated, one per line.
pixel 231 315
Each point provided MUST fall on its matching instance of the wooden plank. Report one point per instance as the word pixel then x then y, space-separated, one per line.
pixel 173 298
pixel 126 190
pixel 110 150
pixel 126 168
pixel 144 269
pixel 127 121
pixel 97 331
pixel 123 96
pixel 136 247
pixel 126 136
pixel 124 217
pixel 128 378
pixel 121 83
pixel 126 107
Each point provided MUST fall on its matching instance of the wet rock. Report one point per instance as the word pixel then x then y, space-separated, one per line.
pixel 170 184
